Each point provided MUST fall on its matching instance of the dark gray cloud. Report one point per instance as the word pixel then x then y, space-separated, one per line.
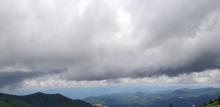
pixel 203 63
pixel 11 79
pixel 100 39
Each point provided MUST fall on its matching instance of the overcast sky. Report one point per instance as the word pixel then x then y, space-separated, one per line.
pixel 74 43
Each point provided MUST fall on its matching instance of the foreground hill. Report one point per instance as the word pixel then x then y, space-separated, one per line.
pixel 215 103
pixel 179 98
pixel 40 100
pixel 5 102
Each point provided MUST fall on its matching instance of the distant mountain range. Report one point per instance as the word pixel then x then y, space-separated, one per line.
pixel 40 100
pixel 178 98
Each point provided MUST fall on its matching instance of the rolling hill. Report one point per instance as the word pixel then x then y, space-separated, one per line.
pixel 40 100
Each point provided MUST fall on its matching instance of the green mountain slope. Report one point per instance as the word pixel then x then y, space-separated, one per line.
pixel 40 100
pixel 215 103
pixel 4 102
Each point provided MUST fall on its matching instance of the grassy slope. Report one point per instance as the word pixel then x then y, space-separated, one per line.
pixel 12 103
pixel 214 104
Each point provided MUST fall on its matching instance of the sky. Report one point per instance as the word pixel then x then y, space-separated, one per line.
pixel 48 44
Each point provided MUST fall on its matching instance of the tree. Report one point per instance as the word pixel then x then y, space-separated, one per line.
pixel 171 105
pixel 219 99
pixel 210 101
pixel 205 104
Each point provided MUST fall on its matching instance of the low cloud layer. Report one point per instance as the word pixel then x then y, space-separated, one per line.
pixel 206 78
pixel 12 79
pixel 105 40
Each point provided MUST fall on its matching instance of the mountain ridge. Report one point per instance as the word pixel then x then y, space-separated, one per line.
pixel 40 99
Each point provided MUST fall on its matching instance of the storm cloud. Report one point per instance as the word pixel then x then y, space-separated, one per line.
pixel 105 40
pixel 11 79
